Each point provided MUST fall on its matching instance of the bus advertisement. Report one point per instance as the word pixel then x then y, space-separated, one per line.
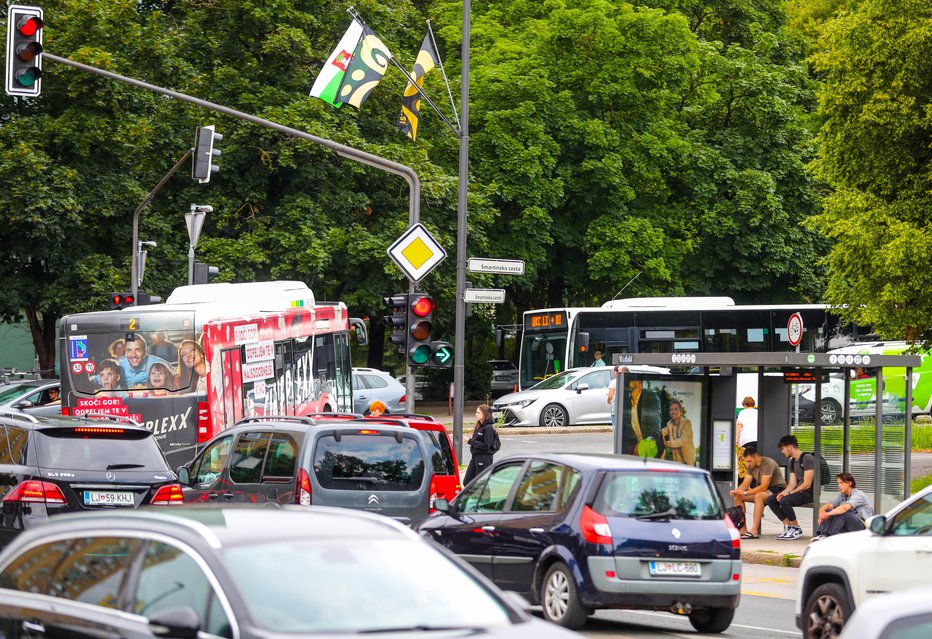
pixel 208 357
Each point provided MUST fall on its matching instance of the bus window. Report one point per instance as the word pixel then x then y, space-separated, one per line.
pixel 543 356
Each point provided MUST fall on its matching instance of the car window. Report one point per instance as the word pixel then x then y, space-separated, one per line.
pixel 599 379
pixel 915 627
pixel 557 381
pixel 93 570
pixel 280 461
pixel 374 381
pixel 915 519
pixel 570 481
pixel 638 493
pixel 212 462
pixel 538 488
pixel 248 457
pixel 33 569
pixel 15 390
pixel 495 491
pixel 368 461
pixel 70 448
pixel 6 456
pixel 170 578
pixel 18 439
pixel 33 398
pixel 441 455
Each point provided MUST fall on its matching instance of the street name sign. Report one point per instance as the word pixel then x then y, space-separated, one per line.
pixel 416 252
pixel 491 265
pixel 484 295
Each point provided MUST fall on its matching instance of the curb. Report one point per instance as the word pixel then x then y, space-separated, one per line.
pixel 538 430
pixel 770 558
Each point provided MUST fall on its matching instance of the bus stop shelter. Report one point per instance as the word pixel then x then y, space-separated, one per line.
pixel 882 467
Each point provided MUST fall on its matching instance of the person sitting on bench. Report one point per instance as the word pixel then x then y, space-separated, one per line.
pixel 847 512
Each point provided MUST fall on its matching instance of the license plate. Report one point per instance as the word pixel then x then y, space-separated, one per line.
pixel 108 498
pixel 675 569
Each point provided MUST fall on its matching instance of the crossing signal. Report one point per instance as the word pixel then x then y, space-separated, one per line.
pixel 24 50
pixel 121 300
pixel 420 324
pixel 205 140
pixel 398 305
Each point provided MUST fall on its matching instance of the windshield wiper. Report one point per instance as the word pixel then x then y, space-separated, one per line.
pixel 124 466
pixel 660 514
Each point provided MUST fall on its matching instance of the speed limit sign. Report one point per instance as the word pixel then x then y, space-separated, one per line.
pixel 794 329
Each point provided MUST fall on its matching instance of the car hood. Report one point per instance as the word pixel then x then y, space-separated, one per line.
pixel 520 396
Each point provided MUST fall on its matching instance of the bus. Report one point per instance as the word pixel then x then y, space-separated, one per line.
pixel 555 339
pixel 209 356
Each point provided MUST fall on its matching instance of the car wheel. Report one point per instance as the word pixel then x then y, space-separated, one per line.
pixel 830 411
pixel 712 619
pixel 827 610
pixel 554 416
pixel 560 599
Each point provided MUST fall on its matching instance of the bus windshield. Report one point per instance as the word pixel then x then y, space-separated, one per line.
pixel 542 356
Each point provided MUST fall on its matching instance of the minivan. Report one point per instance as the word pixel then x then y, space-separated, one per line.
pixel 330 461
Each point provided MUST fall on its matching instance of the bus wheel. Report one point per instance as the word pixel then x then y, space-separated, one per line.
pixel 554 416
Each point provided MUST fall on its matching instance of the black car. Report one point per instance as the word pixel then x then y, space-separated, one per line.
pixel 575 533
pixel 246 573
pixel 50 466
pixel 328 461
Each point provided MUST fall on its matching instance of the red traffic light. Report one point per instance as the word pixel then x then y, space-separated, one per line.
pixel 30 25
pixel 422 306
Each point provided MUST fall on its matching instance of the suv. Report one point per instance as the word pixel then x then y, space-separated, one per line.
pixel 50 466
pixel 504 376
pixel 837 574
pixel 332 461
pixel 370 384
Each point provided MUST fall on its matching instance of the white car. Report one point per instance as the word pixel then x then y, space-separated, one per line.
pixel 575 396
pixel 901 615
pixel 839 573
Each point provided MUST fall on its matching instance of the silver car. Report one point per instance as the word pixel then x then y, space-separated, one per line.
pixel 370 384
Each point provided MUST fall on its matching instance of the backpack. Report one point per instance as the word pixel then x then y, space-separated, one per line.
pixel 736 515
pixel 825 472
pixel 496 441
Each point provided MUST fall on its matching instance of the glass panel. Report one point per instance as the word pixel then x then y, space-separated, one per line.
pixel 18 439
pixel 374 381
pixel 915 519
pixel 93 570
pixel 66 449
pixel 538 488
pixel 280 461
pixel 570 481
pixel 441 454
pixel 638 493
pixel 246 466
pixel 542 355
pixel 495 492
pixel 368 462
pixel 212 461
pixel 32 570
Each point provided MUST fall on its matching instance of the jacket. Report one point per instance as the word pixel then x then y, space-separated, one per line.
pixel 481 442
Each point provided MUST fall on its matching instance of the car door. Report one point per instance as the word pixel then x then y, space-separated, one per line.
pixel 207 479
pixel 360 394
pixel 591 405
pixel 900 558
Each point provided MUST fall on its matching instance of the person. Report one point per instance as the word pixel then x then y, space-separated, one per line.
pixel 161 347
pixel 745 431
pixel 847 512
pixel 54 397
pixel 135 366
pixel 480 443
pixel 798 490
pixel 161 379
pixel 598 359
pixel 764 476
pixel 117 349
pixel 191 361
pixel 110 378
pixel 611 391
pixel 642 411
pixel 678 435
pixel 376 408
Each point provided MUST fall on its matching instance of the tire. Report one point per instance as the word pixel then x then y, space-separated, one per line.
pixel 712 619
pixel 554 416
pixel 831 410
pixel 827 610
pixel 560 599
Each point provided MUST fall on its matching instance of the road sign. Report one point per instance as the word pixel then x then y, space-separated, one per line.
pixel 416 252
pixel 484 295
pixel 794 329
pixel 490 265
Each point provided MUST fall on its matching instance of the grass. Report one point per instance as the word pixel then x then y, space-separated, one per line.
pixel 862 436
pixel 919 483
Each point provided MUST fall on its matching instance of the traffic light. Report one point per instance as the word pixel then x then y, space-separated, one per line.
pixel 121 300
pixel 203 273
pixel 144 299
pixel 441 354
pixel 420 325
pixel 203 165
pixel 24 50
pixel 398 304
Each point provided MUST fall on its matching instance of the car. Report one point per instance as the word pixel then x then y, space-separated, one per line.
pixel 246 573
pixel 504 376
pixel 576 533
pixel 370 384
pixel 332 461
pixel 420 385
pixel 900 615
pixel 30 396
pixel 55 465
pixel 838 574
pixel 575 396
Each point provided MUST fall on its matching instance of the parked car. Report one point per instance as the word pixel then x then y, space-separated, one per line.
pixel 899 615
pixel 353 463
pixel 420 385
pixel 575 396
pixel 576 533
pixel 50 466
pixel 840 573
pixel 504 376
pixel 30 396
pixel 246 573
pixel 370 384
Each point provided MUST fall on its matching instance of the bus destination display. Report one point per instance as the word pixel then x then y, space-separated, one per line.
pixel 544 319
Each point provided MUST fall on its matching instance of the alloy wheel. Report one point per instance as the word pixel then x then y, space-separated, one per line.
pixel 557 595
pixel 826 619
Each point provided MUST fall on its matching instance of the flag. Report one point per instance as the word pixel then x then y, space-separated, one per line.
pixel 411 101
pixel 365 71
pixel 331 75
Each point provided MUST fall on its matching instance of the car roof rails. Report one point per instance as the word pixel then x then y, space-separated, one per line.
pixel 23 416
pixel 262 419
pixel 426 418
pixel 123 419
pixel 334 415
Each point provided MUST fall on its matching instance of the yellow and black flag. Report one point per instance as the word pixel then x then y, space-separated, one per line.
pixel 427 60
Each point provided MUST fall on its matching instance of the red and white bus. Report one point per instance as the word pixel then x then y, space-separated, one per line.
pixel 209 356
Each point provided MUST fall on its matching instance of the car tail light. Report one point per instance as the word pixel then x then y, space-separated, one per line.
pixel 402 400
pixel 169 495
pixel 203 422
pixel 66 411
pixel 302 489
pixel 99 430
pixel 595 527
pixel 434 493
pixel 35 491
pixel 734 532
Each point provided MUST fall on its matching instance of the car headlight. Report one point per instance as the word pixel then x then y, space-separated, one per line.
pixel 524 403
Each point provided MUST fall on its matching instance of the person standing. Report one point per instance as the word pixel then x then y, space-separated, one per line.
pixel 798 489
pixel 745 432
pixel 678 435
pixel 481 444
pixel 847 512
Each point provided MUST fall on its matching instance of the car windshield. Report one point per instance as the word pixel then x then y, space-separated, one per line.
pixel 557 381
pixel 374 576
pixel 71 449
pixel 369 461
pixel 681 495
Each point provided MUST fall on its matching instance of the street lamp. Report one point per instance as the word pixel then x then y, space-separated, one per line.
pixel 141 266
pixel 195 222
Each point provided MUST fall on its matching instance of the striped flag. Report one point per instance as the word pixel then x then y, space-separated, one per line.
pixel 328 82
pixel 411 101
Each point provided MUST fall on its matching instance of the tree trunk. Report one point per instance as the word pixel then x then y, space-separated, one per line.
pixel 42 327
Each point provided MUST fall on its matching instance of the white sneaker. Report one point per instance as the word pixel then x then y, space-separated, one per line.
pixel 794 532
pixel 786 531
pixel 817 538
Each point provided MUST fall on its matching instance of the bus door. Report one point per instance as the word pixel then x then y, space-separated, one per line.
pixel 231 365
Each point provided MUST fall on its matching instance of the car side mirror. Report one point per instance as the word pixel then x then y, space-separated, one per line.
pixel 442 506
pixel 23 404
pixel 582 387
pixel 175 623
pixel 878 524
pixel 184 477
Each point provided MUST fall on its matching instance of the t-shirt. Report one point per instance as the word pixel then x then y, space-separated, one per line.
pixel 806 462
pixel 748 419
pixel 769 468
pixel 858 501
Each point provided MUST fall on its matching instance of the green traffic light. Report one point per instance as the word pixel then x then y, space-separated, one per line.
pixel 420 354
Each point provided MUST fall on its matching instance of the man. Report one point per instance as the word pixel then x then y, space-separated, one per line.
pixel 611 391
pixel 766 476
pixel 847 512
pixel 54 397
pixel 798 490
pixel 678 435
pixel 598 359
pixel 161 347
pixel 135 368
pixel 642 411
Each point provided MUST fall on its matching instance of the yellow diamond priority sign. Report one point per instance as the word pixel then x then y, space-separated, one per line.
pixel 416 252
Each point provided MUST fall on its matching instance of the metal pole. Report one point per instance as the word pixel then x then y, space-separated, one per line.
pixel 817 451
pixel 846 424
pixel 878 441
pixel 190 264
pixel 617 439
pixel 908 434
pixel 459 369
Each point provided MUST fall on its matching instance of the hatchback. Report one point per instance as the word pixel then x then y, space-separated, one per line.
pixel 370 384
pixel 504 376
pixel 576 533
pixel 50 466
pixel 246 573
pixel 332 461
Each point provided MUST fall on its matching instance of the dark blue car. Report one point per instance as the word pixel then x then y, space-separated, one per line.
pixel 575 533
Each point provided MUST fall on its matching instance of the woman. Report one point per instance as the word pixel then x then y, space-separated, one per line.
pixel 480 444
pixel 746 432
pixel 161 380
pixel 191 361
pixel 117 349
